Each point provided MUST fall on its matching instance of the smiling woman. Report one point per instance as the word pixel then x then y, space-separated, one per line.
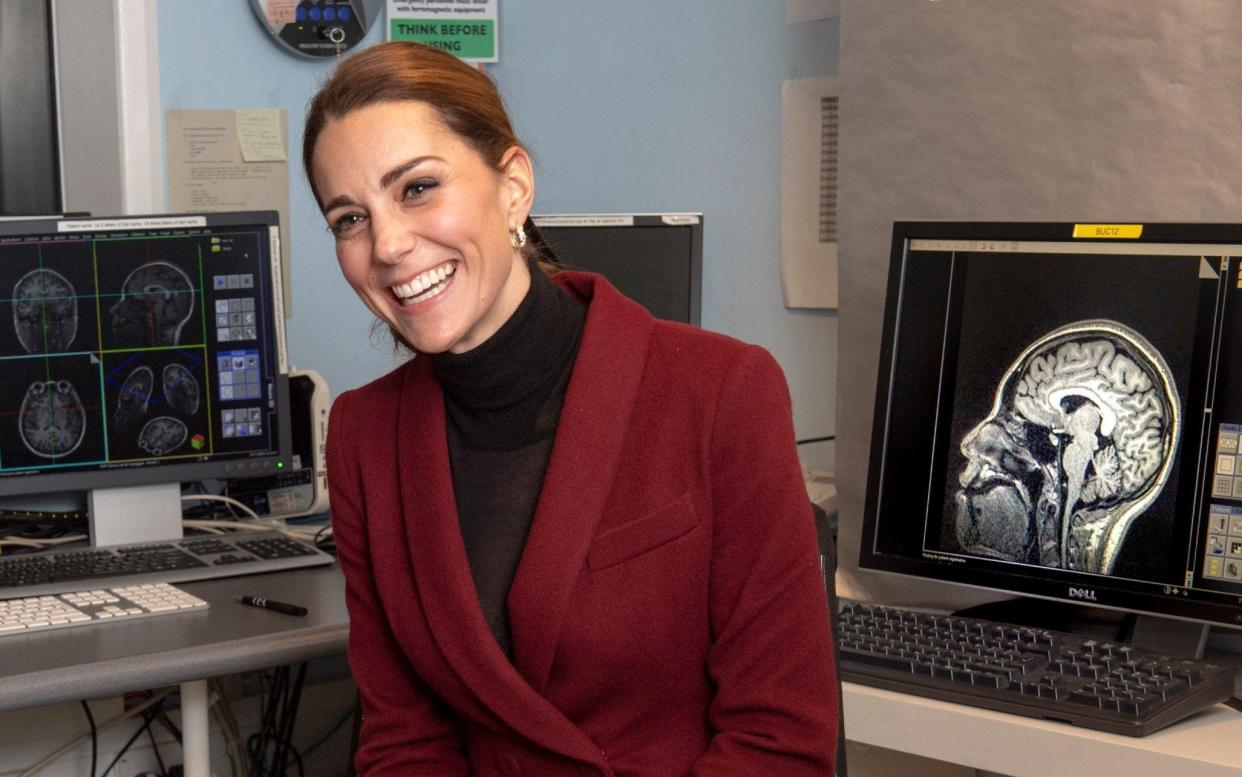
pixel 575 538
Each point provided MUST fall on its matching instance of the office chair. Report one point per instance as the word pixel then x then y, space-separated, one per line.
pixel 826 534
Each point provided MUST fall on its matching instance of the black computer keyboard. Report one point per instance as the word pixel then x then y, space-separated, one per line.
pixel 1039 673
pixel 193 558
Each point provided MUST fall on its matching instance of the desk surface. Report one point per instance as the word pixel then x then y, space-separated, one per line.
pixel 111 658
pixel 106 659
pixel 1206 745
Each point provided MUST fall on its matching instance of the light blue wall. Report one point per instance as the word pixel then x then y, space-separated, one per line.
pixel 644 105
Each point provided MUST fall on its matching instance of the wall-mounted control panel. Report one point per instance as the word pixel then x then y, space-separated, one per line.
pixel 317 28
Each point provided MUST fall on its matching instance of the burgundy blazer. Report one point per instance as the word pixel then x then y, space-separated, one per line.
pixel 667 616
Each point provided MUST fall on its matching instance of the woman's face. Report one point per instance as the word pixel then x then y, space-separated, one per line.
pixel 422 223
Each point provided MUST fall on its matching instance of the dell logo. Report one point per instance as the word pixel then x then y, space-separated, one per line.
pixel 1082 593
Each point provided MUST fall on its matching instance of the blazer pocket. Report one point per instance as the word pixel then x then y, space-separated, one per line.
pixel 646 534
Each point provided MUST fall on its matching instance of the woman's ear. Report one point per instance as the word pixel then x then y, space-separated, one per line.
pixel 517 178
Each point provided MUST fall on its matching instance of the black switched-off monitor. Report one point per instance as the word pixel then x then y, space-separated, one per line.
pixel 138 353
pixel 1058 414
pixel 654 259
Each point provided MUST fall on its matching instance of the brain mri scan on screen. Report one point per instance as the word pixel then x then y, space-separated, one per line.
pixel 1080 440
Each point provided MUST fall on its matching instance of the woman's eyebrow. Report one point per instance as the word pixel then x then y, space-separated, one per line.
pixel 386 180
pixel 401 169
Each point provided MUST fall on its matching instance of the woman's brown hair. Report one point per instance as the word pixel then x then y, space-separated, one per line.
pixel 465 98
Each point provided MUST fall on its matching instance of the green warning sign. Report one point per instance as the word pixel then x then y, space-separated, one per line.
pixel 474 39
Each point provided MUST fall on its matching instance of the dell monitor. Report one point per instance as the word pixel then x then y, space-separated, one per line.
pixel 139 353
pixel 1058 414
pixel 654 259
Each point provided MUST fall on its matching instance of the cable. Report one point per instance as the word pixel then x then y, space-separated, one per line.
pixel 325 536
pixel 257 742
pixel 147 717
pixel 218 523
pixel 285 735
pixel 169 726
pixel 218 526
pixel 223 711
pixel 43 543
pixel 816 439
pixel 94 736
pixel 155 748
pixel 276 730
pixel 68 746
pixel 245 508
pixel 256 522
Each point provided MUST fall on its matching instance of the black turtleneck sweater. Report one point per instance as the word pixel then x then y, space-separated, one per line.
pixel 503 399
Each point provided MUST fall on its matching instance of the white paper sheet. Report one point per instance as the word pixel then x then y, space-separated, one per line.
pixel 809 192
pixel 208 171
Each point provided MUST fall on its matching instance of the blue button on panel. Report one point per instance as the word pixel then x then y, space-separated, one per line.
pixel 329 14
pixel 316 13
pixel 301 14
pixel 344 14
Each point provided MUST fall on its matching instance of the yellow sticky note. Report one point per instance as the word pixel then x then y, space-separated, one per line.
pixel 260 136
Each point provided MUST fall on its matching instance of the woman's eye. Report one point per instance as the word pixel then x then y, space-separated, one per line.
pixel 347 225
pixel 416 189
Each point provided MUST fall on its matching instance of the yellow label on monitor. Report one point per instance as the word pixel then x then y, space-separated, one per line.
pixel 1121 231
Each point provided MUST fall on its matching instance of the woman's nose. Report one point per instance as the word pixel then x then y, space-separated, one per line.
pixel 394 238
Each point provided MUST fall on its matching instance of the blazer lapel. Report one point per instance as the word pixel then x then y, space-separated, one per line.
pixel 442 573
pixel 585 456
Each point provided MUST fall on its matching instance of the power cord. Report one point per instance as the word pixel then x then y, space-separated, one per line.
pixel 94 736
pixel 809 440
pixel 279 713
pixel 68 746
pixel 147 718
pixel 256 522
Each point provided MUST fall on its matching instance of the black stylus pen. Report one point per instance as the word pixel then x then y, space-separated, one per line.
pixel 268 604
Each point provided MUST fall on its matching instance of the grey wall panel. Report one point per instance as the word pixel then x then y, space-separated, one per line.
pixel 1014 110
pixel 28 159
pixel 86 41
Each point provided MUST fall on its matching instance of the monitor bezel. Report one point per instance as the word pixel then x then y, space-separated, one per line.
pixel 189 471
pixel 1160 599
pixel 690 220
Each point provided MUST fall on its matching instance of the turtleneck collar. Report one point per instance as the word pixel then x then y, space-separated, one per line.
pixel 524 360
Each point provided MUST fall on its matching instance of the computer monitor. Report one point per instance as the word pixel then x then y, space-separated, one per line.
pixel 1058 414
pixel 139 353
pixel 654 259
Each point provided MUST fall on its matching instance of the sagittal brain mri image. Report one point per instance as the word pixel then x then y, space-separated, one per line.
pixel 45 311
pixel 156 301
pixel 162 435
pixel 1079 441
pixel 51 420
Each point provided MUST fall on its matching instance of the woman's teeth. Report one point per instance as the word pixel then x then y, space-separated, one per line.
pixel 425 285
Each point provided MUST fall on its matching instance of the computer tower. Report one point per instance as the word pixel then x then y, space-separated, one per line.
pixel 303 489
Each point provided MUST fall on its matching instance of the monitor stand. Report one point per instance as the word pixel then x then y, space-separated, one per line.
pixel 135 514
pixel 1172 637
pixel 1181 639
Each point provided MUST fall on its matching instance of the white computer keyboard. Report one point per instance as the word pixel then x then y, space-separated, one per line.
pixel 78 608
